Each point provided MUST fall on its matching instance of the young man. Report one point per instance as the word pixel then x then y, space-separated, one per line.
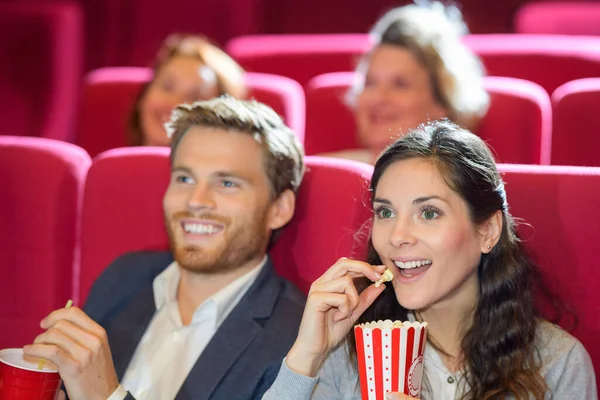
pixel 216 322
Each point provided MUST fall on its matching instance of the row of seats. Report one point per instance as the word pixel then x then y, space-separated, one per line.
pixel 65 217
pixel 518 124
pixel 41 71
pixel 548 60
pixel 559 17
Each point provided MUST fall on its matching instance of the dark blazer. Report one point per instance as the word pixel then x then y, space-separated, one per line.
pixel 243 357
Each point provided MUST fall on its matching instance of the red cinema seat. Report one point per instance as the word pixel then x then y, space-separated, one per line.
pixel 123 212
pixel 562 236
pixel 563 18
pixel 548 60
pixel 576 136
pixel 109 94
pixel 42 191
pixel 300 57
pixel 517 124
pixel 40 68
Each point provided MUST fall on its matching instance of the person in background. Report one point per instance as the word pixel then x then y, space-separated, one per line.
pixel 210 319
pixel 187 68
pixel 417 70
pixel 442 226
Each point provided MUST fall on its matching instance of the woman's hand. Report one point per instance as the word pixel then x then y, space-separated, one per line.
pixel 332 308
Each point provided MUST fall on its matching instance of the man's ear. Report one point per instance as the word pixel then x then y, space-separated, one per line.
pixel 282 210
pixel 490 232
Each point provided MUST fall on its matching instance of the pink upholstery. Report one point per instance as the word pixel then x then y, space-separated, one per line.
pixel 40 68
pixel 561 229
pixel 300 57
pixel 567 18
pixel 549 60
pixel 122 209
pixel 106 102
pixel 109 94
pixel 330 124
pixel 517 125
pixel 576 136
pixel 123 212
pixel 42 191
pixel 331 217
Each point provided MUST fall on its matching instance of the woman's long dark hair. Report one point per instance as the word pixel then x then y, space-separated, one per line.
pixel 498 350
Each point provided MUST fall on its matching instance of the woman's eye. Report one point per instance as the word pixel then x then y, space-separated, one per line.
pixel 429 214
pixel 384 213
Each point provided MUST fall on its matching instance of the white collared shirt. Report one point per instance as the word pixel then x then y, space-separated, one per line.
pixel 168 350
pixel 438 379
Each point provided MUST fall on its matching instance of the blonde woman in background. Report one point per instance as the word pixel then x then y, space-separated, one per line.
pixel 417 70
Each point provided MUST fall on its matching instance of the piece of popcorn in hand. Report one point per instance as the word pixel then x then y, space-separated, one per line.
pixel 386 277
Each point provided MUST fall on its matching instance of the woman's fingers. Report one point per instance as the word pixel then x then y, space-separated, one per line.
pixel 366 298
pixel 344 285
pixel 345 266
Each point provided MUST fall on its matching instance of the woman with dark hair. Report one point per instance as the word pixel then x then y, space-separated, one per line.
pixel 441 224
pixel 188 68
pixel 417 70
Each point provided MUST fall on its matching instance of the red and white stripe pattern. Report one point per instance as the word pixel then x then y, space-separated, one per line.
pixel 390 357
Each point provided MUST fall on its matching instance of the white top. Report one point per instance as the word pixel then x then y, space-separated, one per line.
pixel 168 350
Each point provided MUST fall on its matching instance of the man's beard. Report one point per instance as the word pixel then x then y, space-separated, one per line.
pixel 239 245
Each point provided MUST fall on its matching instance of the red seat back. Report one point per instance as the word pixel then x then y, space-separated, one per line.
pixel 40 68
pixel 564 18
pixel 42 191
pixel 576 136
pixel 548 60
pixel 109 95
pixel 561 229
pixel 123 212
pixel 300 57
pixel 517 125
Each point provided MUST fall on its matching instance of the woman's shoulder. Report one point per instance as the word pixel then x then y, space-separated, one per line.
pixel 552 342
pixel 565 363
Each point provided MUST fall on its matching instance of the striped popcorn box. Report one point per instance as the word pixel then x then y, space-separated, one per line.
pixel 390 357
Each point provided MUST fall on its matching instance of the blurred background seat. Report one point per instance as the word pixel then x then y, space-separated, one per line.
pixel 40 68
pixel 576 137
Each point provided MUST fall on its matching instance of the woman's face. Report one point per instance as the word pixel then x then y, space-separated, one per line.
pixel 182 79
pixel 397 96
pixel 423 232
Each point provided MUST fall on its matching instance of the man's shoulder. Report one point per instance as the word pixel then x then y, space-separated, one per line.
pixel 288 304
pixel 131 267
pixel 123 279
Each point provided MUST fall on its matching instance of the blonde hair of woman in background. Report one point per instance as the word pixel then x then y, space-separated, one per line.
pixel 187 68
pixel 418 69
